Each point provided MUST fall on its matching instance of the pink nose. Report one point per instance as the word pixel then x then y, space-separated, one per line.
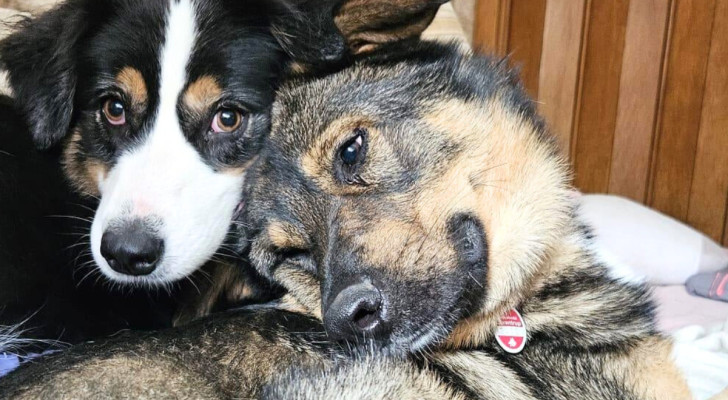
pixel 141 207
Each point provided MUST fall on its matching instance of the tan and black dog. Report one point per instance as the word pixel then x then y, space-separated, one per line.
pixel 418 198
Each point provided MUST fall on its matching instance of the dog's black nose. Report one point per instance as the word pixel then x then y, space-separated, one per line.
pixel 357 311
pixel 133 249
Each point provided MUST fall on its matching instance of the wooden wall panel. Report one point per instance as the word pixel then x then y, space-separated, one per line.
pixel 525 40
pixel 710 176
pixel 491 23
pixel 681 111
pixel 636 92
pixel 638 97
pixel 559 73
pixel 599 94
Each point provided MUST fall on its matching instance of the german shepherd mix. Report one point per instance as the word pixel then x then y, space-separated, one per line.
pixel 407 202
pixel 419 199
pixel 156 109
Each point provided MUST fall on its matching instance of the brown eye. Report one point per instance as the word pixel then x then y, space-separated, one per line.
pixel 114 111
pixel 226 120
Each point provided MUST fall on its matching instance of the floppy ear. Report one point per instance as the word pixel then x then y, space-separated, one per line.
pixel 366 24
pixel 307 32
pixel 40 58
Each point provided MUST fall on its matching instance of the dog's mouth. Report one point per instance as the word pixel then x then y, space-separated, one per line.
pixel 239 209
pixel 428 336
pixel 422 339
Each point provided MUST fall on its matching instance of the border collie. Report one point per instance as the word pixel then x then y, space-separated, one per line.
pixel 155 108
pixel 159 106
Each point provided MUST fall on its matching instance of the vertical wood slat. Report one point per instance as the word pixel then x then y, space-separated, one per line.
pixel 491 24
pixel 639 90
pixel 707 210
pixel 679 119
pixel 599 93
pixel 666 143
pixel 525 40
pixel 560 62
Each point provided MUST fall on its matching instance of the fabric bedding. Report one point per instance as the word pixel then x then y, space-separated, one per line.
pixel 702 354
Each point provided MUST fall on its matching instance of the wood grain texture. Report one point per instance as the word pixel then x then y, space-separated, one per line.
pixel 707 209
pixel 680 115
pixel 488 25
pixel 525 40
pixel 599 94
pixel 636 92
pixel 639 89
pixel 560 64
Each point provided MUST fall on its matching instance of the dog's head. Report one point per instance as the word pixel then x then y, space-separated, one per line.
pixel 406 194
pixel 160 106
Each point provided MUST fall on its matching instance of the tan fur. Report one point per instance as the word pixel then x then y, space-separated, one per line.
pixel 386 238
pixel 491 378
pixel 368 23
pixel 306 288
pixel 509 179
pixel 507 198
pixel 651 370
pixel 202 94
pixel 132 82
pixel 84 174
pixel 219 280
pixel 284 236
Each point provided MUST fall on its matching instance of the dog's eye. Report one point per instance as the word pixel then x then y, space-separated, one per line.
pixel 227 120
pixel 352 155
pixel 115 111
pixel 297 258
pixel 352 151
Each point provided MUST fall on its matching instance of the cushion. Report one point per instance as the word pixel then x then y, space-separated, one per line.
pixel 639 243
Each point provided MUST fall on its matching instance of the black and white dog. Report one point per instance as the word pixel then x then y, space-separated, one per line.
pixel 160 106
pixel 155 108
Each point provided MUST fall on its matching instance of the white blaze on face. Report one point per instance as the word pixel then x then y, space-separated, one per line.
pixel 166 178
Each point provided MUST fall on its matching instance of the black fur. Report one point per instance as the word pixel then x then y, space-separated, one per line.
pixel 62 66
pixel 42 267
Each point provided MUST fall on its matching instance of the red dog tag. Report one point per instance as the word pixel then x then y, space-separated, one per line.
pixel 511 332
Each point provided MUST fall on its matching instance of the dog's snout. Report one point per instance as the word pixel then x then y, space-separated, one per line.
pixel 134 249
pixel 358 310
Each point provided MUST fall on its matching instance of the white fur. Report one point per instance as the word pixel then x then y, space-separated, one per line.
pixel 9 338
pixel 165 177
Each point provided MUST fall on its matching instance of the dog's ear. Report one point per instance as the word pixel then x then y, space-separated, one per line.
pixel 307 32
pixel 40 58
pixel 366 24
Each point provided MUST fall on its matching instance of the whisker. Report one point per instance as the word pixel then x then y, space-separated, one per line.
pixel 73 217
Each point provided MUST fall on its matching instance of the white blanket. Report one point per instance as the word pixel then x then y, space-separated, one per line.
pixel 702 354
